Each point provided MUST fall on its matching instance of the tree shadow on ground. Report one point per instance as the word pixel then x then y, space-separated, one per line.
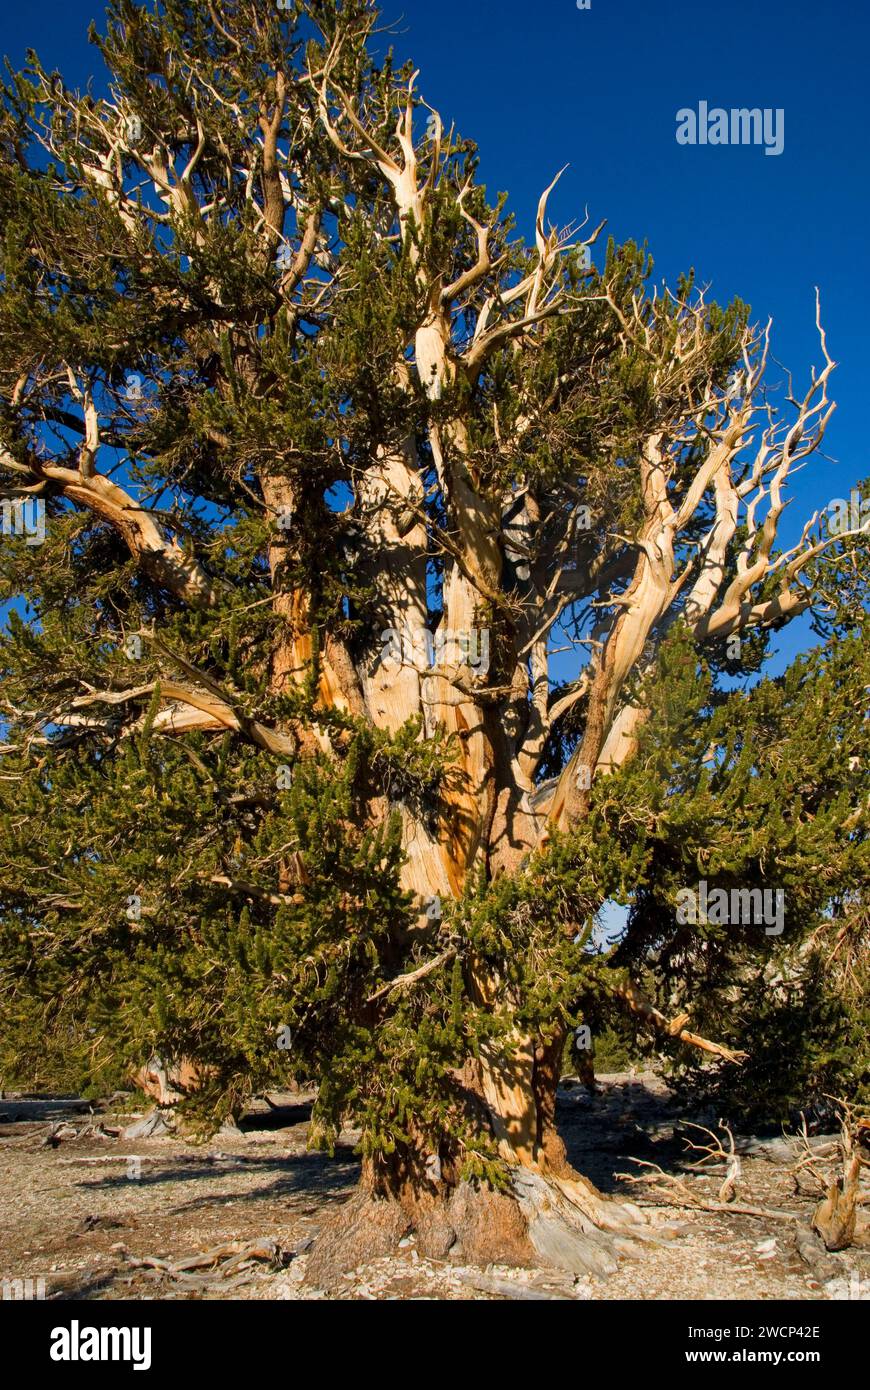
pixel 307 1172
pixel 278 1117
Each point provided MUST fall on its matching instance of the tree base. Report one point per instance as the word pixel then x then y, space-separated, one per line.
pixel 555 1222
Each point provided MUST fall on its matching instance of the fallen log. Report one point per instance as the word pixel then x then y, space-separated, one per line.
pixel 221 1262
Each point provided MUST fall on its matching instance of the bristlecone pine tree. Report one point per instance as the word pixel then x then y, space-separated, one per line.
pixel 293 395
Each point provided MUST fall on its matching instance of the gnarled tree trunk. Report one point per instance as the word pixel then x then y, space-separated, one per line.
pixel 547 1214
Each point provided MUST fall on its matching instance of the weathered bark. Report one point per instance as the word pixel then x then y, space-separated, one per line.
pixel 168 1084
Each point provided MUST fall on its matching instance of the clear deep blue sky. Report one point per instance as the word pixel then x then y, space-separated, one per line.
pixel 543 85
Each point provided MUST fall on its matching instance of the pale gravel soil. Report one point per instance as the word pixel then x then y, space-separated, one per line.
pixel 75 1224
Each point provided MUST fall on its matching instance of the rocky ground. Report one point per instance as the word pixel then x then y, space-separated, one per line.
pixel 98 1215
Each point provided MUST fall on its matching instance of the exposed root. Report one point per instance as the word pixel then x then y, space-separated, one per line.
pixel 157 1122
pixel 467 1223
pixel 557 1222
pixel 365 1229
pixel 572 1226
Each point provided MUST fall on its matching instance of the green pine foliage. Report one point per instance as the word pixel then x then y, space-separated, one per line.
pixel 746 789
